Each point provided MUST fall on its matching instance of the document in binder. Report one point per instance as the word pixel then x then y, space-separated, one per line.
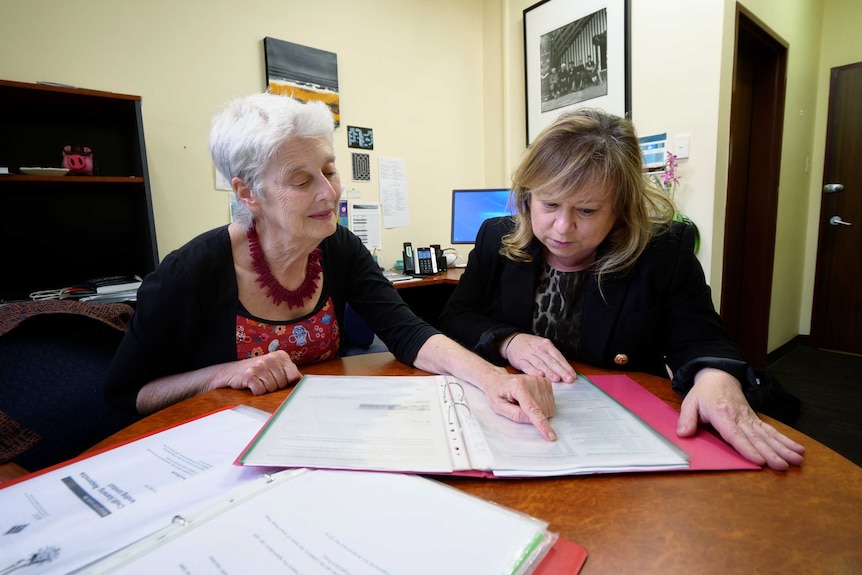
pixel 325 521
pixel 437 424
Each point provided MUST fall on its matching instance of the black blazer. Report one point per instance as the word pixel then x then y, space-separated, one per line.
pixel 658 314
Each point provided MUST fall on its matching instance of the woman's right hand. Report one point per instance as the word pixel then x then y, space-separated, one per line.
pixel 263 374
pixel 537 356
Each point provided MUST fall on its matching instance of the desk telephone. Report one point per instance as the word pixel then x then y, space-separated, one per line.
pixel 423 261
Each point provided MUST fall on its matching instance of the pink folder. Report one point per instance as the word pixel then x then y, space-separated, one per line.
pixel 706 451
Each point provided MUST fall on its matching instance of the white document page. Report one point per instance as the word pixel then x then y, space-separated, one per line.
pixel 348 522
pixel 366 225
pixel 393 192
pixel 366 423
pixel 83 510
pixel 595 433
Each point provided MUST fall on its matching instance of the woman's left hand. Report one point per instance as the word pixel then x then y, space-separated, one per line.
pixel 537 355
pixel 717 399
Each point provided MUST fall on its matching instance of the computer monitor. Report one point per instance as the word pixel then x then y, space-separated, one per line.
pixel 472 207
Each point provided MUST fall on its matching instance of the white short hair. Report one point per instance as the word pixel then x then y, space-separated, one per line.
pixel 248 132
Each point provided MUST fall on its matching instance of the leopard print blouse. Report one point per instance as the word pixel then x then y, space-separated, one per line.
pixel 558 306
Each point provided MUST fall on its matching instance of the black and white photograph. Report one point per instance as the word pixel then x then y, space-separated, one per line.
pixel 576 54
pixel 574 61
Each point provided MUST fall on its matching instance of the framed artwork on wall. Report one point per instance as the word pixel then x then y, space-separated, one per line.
pixel 576 54
pixel 302 73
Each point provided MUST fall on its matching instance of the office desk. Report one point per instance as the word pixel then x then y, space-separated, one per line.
pixel 806 520
pixel 427 296
pixel 450 277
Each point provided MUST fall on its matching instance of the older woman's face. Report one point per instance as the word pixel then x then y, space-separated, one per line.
pixel 301 189
pixel 573 227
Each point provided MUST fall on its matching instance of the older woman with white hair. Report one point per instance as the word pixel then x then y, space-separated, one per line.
pixel 247 304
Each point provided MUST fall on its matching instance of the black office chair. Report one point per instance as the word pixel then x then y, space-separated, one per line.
pixel 51 372
pixel 360 338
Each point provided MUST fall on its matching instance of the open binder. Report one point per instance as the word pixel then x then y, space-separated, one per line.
pixel 302 521
pixel 438 424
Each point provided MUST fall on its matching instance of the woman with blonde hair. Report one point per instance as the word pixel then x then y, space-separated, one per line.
pixel 593 268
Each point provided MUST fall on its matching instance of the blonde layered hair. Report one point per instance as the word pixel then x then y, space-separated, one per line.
pixel 590 149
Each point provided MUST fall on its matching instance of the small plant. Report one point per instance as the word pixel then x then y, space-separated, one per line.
pixel 668 181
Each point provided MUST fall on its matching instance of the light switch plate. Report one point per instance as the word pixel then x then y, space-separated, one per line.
pixel 681 143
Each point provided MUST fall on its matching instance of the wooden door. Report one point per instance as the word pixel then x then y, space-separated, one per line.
pixel 756 120
pixel 836 322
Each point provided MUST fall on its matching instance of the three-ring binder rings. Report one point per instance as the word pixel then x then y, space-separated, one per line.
pixel 437 424
pixel 174 500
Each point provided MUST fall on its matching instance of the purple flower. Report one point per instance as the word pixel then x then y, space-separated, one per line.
pixel 669 177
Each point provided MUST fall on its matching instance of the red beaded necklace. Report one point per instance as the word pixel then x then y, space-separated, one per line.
pixel 275 291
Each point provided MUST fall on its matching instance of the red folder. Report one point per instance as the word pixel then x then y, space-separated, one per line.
pixel 705 450
pixel 564 557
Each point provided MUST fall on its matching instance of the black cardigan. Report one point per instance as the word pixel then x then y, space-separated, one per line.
pixel 185 317
pixel 659 313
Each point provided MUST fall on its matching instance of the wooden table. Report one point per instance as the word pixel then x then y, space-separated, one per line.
pixel 805 520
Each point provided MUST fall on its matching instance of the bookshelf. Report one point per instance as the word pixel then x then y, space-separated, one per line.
pixel 58 231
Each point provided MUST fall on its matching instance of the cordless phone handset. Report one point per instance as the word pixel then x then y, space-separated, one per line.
pixel 407 257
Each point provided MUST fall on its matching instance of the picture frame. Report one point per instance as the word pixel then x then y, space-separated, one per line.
pixel 576 54
pixel 303 73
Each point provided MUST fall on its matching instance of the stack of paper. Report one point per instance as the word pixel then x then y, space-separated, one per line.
pixel 172 502
pixel 342 522
pixel 78 513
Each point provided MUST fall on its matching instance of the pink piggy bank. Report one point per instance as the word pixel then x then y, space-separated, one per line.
pixel 79 160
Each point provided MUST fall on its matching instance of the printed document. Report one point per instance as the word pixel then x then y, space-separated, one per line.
pixel 366 225
pixel 72 515
pixel 347 522
pixel 393 192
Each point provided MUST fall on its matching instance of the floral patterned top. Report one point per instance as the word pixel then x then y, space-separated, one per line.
pixel 313 338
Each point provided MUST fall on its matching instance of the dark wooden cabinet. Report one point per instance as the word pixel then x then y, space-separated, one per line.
pixel 59 231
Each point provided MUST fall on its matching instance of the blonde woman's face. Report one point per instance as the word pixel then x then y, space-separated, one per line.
pixel 571 227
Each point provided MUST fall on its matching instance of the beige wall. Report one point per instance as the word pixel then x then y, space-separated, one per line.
pixel 412 71
pixel 441 83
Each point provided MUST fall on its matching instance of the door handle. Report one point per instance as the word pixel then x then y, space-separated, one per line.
pixel 837 221
pixel 832 188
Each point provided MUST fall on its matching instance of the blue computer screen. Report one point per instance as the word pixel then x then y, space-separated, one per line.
pixel 472 207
